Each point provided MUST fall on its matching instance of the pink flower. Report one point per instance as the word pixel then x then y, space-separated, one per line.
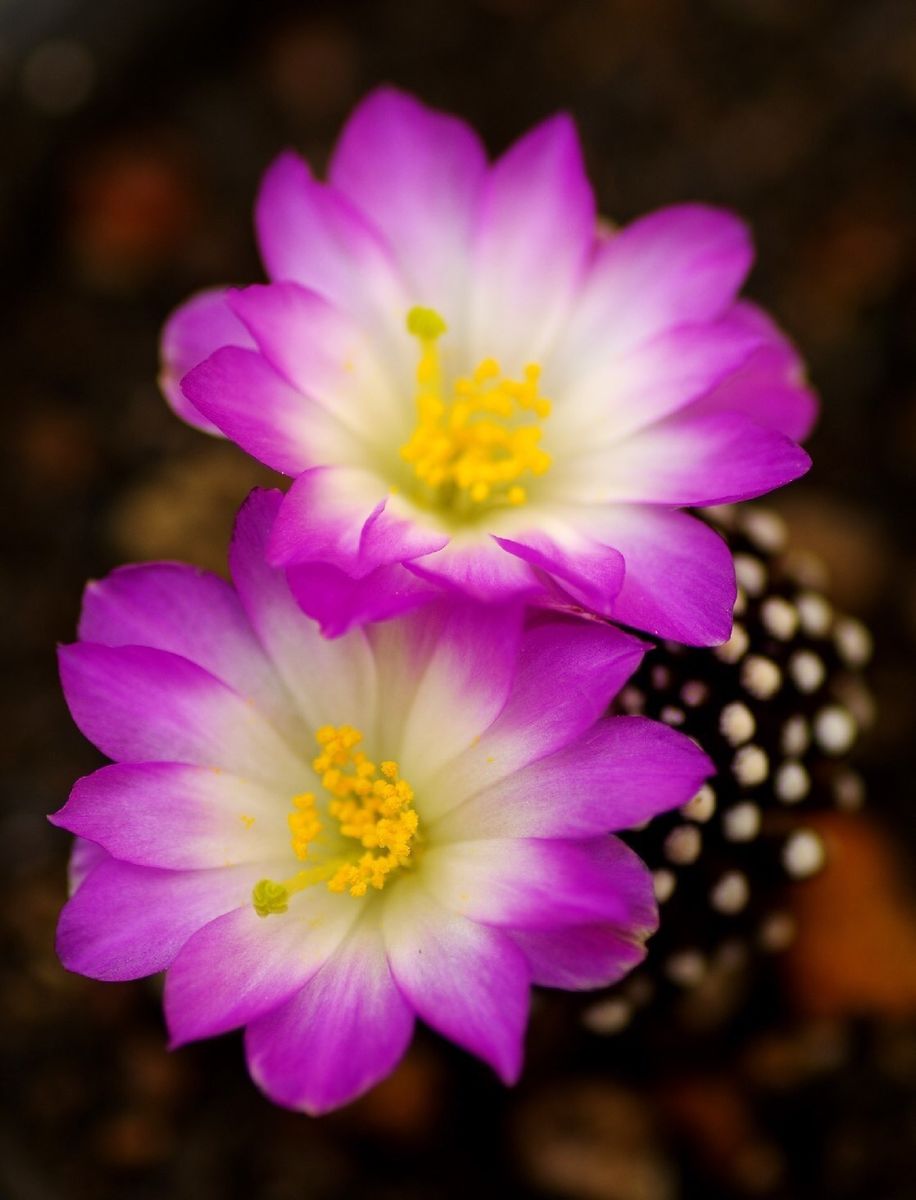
pixel 322 840
pixel 478 389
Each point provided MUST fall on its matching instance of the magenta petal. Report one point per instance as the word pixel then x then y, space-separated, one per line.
pixel 588 956
pixel 481 570
pixel 590 574
pixel 337 1037
pixel 244 396
pixel 301 334
pixel 445 674
pixel 623 772
pixel 143 705
pixel 679 266
pixel 324 354
pixel 568 672
pixel 175 816
pixel 241 966
pixel 469 982
pixel 293 642
pixel 191 334
pixel 680 579
pixel 83 857
pixel 262 588
pixel 126 921
pixel 535 230
pixel 311 234
pixel 705 458
pixel 611 395
pixel 417 174
pixel 342 517
pixel 771 387
pixel 338 602
pixel 542 883
pixel 169 606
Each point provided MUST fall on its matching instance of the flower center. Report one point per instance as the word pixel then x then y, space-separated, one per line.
pixel 472 448
pixel 371 806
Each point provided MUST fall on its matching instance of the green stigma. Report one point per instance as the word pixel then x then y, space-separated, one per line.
pixel 425 323
pixel 269 897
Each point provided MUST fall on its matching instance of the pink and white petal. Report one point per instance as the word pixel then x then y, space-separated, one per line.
pixel 469 982
pixel 323 353
pixel 241 966
pixel 191 334
pixel 588 956
pixel 535 231
pixel 624 771
pixel 341 604
pixel 345 1030
pixel 771 387
pixel 701 458
pixel 417 173
pixel 311 234
pixel 541 883
pixel 589 573
pixel 345 517
pixel 125 921
pixel 481 569
pixel 615 395
pixel 681 265
pixel 258 410
pixel 143 705
pixel 680 578
pixel 568 672
pixel 345 668
pixel 177 817
pixel 447 674
pixel 170 606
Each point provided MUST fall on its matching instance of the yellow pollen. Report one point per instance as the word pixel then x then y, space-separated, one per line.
pixel 472 449
pixel 371 805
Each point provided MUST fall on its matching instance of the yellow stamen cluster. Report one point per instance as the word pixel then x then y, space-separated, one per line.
pixel 371 804
pixel 473 448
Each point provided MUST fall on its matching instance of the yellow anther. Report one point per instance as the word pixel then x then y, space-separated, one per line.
pixel 304 824
pixel 470 450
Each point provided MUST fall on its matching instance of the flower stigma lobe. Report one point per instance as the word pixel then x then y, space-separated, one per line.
pixel 371 805
pixel 472 450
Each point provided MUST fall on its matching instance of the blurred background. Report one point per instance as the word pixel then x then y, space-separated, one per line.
pixel 132 138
